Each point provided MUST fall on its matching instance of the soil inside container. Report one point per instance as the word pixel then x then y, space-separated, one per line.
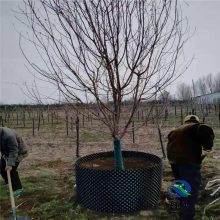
pixel 107 163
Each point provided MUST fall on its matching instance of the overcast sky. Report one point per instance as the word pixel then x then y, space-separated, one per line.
pixel 205 45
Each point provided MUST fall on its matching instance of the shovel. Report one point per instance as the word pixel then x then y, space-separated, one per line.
pixel 13 201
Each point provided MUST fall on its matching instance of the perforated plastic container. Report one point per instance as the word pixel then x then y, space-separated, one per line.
pixel 119 191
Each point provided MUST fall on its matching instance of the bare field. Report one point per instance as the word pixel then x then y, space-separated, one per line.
pixel 48 172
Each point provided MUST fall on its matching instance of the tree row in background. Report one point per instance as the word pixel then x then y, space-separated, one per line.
pixel 204 85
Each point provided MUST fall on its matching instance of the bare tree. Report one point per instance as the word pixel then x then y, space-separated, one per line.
pixel 210 83
pixel 108 48
pixel 217 82
pixel 206 84
pixel 164 96
pixel 184 92
pixel 201 86
pixel 194 90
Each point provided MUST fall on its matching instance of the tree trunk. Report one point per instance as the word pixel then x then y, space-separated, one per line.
pixel 118 155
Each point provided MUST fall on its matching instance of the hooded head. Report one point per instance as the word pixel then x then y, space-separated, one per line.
pixel 191 119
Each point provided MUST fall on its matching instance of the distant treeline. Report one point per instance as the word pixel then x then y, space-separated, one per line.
pixel 80 105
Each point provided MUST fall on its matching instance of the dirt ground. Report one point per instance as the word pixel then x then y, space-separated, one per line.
pixel 48 174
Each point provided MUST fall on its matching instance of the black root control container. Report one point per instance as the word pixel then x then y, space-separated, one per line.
pixel 119 191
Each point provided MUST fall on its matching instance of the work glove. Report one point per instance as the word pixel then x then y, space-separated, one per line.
pixel 8 168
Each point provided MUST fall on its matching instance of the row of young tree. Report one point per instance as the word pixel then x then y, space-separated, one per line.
pixel 204 85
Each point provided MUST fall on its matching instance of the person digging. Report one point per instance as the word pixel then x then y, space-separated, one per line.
pixel 13 150
pixel 187 147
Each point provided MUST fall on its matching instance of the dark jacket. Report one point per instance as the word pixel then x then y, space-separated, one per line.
pixel 12 146
pixel 186 142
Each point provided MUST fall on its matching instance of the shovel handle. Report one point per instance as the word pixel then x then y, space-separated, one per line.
pixel 10 190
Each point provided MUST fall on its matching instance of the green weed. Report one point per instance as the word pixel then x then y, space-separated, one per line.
pixel 88 135
pixel 35 166
pixel 3 191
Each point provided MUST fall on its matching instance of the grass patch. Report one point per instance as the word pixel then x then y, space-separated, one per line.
pixel 51 197
pixel 89 135
pixel 214 208
pixel 4 193
pixel 45 197
pixel 55 197
pixel 200 215
pixel 35 166
pixel 217 140
pixel 55 209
